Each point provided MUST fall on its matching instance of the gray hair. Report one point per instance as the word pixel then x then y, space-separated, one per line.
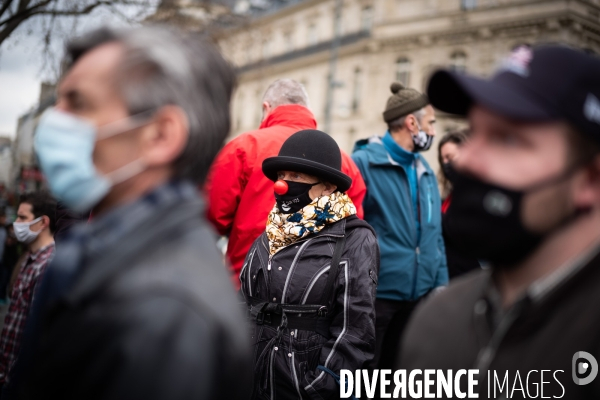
pixel 399 122
pixel 286 91
pixel 162 67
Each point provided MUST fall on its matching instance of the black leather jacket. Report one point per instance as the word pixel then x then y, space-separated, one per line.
pixel 286 364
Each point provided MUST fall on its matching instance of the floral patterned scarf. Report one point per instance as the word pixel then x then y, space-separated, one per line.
pixel 285 229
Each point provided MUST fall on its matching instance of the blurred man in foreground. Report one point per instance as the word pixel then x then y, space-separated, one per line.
pixel 136 304
pixel 240 196
pixel 34 228
pixel 527 199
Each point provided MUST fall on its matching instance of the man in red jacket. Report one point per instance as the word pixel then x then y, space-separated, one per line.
pixel 239 195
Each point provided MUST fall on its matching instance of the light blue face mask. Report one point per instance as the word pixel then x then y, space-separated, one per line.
pixel 64 145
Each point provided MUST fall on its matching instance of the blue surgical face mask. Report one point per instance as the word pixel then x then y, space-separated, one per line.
pixel 64 144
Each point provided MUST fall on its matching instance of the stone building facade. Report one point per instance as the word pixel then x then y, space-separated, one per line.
pixel 385 40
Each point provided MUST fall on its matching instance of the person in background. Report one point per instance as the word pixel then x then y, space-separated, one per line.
pixel 403 206
pixel 239 195
pixel 34 227
pixel 13 251
pixel 526 198
pixel 4 269
pixel 136 303
pixel 316 258
pixel 448 152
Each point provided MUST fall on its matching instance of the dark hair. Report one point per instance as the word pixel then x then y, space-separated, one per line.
pixel 42 203
pixel 458 137
pixel 162 67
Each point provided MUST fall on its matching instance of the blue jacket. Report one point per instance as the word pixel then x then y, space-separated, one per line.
pixel 409 269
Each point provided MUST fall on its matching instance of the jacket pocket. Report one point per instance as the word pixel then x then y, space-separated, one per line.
pixel 373 277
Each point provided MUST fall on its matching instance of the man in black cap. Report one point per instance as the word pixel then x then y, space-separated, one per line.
pixel 527 199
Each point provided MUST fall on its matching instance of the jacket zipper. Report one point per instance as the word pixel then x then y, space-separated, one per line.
pixel 249 266
pixel 429 203
pixel 285 248
pixel 311 284
pixel 271 373
pixel 294 263
pixel 414 231
pixel 295 376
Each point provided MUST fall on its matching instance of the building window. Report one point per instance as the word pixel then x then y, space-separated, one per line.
pixel 248 54
pixel 288 40
pixel 366 18
pixel 356 90
pixel 313 36
pixel 403 71
pixel 468 4
pixel 266 49
pixel 458 61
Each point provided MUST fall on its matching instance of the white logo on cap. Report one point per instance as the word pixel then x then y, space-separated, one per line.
pixel 518 61
pixel 591 108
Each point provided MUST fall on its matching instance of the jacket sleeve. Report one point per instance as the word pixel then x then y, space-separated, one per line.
pixel 358 189
pixel 441 278
pixel 179 356
pixel 225 184
pixel 352 342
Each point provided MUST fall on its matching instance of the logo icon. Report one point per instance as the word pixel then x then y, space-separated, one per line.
pixel 497 203
pixel 584 363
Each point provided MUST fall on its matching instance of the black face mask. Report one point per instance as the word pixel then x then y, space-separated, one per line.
pixel 296 198
pixel 449 172
pixel 484 221
pixel 422 141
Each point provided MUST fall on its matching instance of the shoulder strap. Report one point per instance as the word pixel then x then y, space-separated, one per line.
pixel 333 268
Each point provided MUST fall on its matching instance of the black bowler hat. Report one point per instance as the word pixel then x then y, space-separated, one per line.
pixel 311 152
pixel 547 83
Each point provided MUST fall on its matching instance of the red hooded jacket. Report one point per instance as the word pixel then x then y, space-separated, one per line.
pixel 240 197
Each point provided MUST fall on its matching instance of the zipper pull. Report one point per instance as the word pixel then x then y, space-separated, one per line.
pixel 269 264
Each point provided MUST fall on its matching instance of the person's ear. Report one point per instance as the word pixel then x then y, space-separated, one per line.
pixel 164 140
pixel 266 108
pixel 410 123
pixel 587 186
pixel 45 223
pixel 329 188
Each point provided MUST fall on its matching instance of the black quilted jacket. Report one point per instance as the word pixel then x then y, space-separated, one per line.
pixel 286 366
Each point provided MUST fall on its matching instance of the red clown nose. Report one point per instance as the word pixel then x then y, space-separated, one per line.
pixel 280 187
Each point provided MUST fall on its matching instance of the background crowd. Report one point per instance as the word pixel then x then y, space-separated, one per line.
pixel 334 261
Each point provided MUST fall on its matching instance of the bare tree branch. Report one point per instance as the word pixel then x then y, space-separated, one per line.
pixel 5 6
pixel 23 12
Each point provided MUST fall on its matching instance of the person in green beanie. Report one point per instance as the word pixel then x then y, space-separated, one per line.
pixel 403 206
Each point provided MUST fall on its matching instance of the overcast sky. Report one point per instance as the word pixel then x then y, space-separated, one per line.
pixel 22 64
pixel 19 81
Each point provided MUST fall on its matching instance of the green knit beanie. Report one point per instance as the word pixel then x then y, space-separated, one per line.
pixel 402 102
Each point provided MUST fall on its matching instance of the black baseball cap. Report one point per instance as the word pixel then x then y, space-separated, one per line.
pixel 546 83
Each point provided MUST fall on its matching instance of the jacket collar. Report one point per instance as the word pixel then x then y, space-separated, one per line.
pixel 175 216
pixel 291 115
pixel 47 248
pixel 378 155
